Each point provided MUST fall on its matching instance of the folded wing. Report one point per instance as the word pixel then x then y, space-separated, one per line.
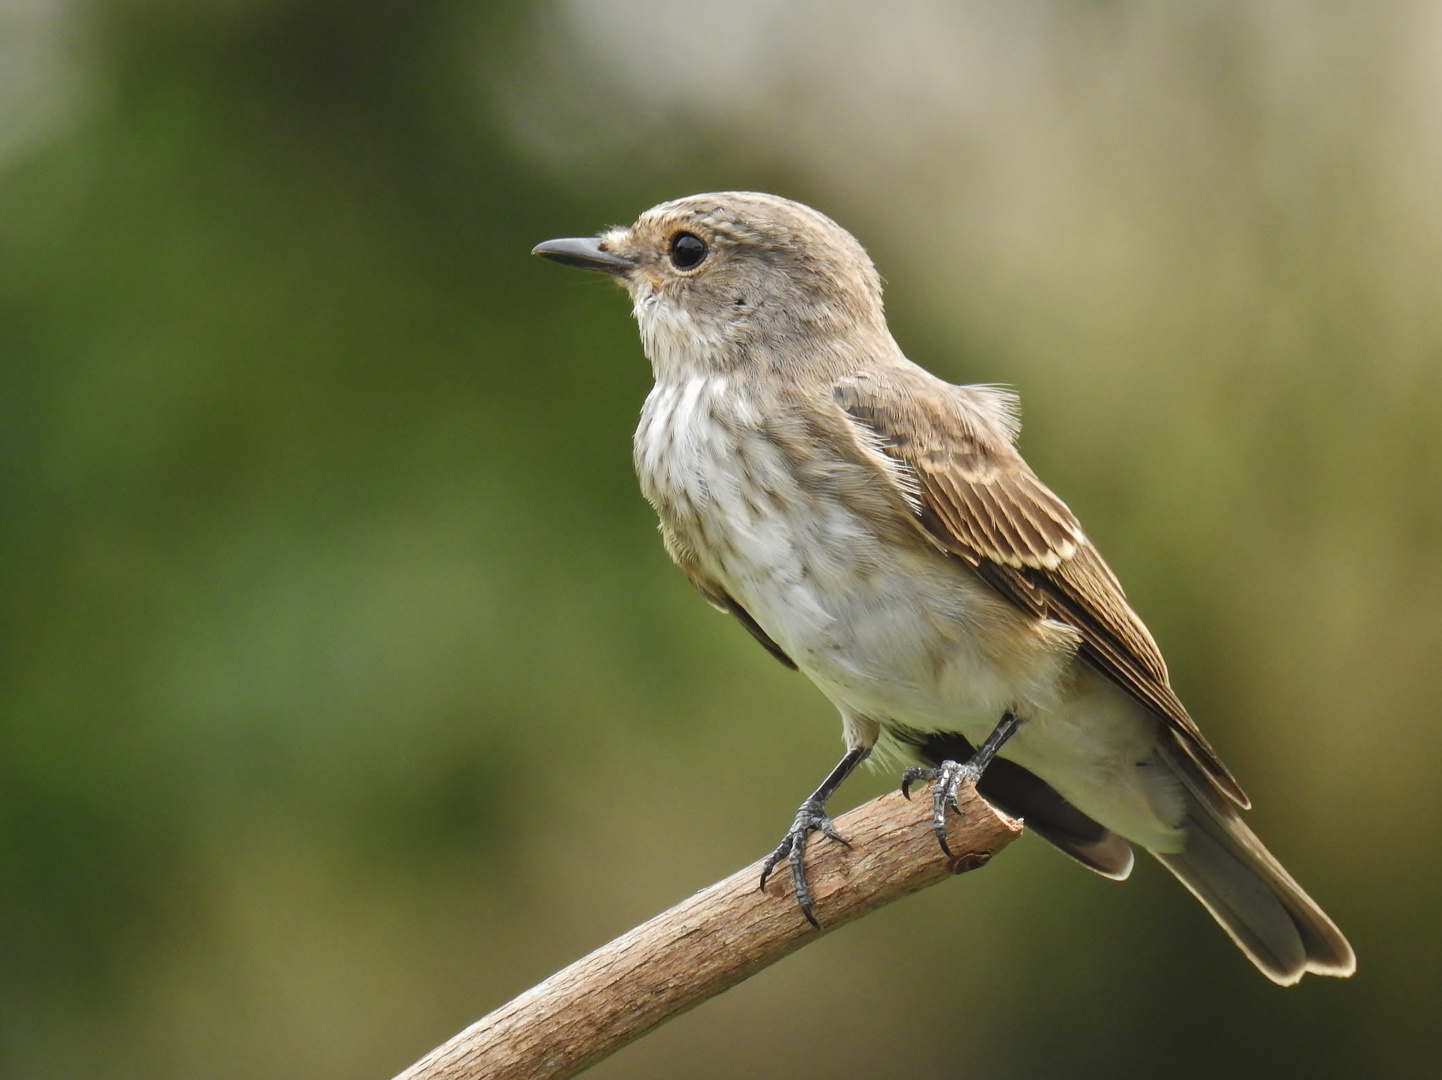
pixel 976 498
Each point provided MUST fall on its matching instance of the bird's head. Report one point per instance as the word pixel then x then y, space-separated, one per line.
pixel 736 278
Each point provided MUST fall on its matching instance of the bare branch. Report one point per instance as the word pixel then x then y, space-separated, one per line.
pixel 712 941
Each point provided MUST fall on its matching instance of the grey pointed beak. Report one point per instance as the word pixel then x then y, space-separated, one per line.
pixel 585 252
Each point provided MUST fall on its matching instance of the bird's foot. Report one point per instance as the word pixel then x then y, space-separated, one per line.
pixel 948 777
pixel 811 817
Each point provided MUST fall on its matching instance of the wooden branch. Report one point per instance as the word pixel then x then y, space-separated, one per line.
pixel 714 940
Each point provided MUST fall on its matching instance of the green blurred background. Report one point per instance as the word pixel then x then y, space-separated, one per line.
pixel 345 688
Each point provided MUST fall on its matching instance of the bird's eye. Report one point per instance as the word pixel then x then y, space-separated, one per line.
pixel 687 251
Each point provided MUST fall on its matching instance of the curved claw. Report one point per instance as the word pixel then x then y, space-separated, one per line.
pixel 809 818
pixel 912 774
pixel 827 828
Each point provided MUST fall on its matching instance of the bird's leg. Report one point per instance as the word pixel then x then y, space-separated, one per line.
pixel 950 774
pixel 811 816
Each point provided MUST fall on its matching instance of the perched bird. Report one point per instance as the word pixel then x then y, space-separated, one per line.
pixel 876 528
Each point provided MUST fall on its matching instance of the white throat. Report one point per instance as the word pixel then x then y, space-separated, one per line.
pixel 675 343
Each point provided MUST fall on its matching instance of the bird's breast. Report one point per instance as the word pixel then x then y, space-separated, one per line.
pixel 721 470
pixel 746 491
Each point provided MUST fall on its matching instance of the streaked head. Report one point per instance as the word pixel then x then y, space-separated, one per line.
pixel 721 278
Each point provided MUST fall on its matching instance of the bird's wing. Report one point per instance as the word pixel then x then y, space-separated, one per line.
pixel 975 497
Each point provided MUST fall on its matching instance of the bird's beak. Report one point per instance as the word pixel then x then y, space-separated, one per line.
pixel 585 252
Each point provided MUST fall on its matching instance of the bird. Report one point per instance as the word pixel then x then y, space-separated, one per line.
pixel 876 528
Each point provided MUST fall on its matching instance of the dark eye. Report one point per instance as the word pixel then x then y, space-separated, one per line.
pixel 687 251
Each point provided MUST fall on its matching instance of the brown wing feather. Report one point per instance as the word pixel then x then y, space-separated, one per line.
pixel 978 499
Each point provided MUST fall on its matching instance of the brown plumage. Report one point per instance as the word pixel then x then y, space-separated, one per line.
pixel 876 528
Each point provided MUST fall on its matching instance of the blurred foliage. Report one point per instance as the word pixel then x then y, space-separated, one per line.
pixel 345 689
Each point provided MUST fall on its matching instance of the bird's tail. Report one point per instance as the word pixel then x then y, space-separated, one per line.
pixel 1278 926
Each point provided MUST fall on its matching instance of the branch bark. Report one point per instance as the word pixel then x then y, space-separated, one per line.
pixel 710 942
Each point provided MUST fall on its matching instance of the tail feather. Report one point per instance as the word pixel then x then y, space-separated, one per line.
pixel 1025 795
pixel 1278 926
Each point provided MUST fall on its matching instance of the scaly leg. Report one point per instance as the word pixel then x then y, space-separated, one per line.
pixel 811 817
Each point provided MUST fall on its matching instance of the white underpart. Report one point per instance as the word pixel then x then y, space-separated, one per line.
pixel 887 634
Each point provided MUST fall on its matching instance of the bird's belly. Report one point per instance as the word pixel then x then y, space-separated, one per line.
pixel 896 641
